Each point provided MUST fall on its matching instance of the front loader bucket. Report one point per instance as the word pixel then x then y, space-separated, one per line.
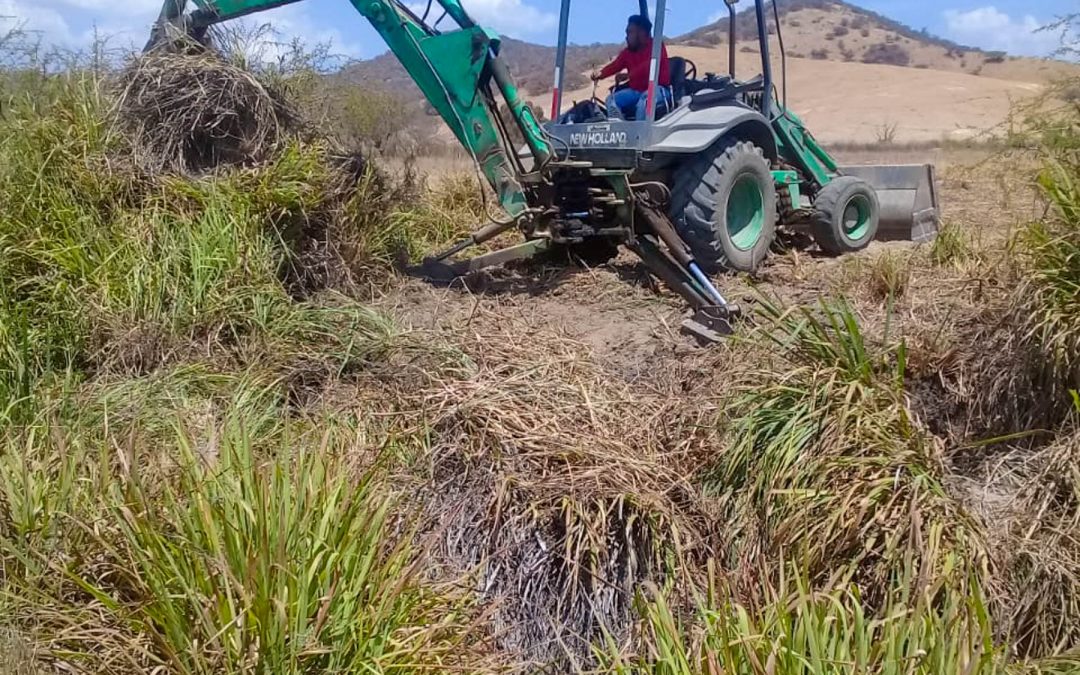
pixel 908 196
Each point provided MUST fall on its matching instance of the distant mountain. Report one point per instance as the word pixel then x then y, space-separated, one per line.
pixel 834 30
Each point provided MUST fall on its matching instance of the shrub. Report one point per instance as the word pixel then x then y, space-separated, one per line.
pixel 890 54
pixel 819 54
pixel 886 133
pixel 363 117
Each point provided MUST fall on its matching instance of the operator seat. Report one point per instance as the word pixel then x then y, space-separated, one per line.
pixel 677 68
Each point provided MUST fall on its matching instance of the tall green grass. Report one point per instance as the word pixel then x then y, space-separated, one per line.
pixel 1050 254
pixel 104 269
pixel 223 537
pixel 169 499
pixel 825 461
pixel 799 631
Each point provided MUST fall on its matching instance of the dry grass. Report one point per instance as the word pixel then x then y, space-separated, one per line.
pixel 193 111
pixel 890 274
pixel 557 491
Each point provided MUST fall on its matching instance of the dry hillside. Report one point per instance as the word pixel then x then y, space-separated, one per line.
pixel 837 31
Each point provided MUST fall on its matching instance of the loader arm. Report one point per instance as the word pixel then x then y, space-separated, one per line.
pixel 457 72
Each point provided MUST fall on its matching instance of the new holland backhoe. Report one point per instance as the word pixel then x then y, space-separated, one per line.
pixel 697 186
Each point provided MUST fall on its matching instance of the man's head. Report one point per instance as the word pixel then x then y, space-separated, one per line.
pixel 638 31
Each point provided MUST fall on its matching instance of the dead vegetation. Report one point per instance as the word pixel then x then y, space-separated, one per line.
pixel 191 112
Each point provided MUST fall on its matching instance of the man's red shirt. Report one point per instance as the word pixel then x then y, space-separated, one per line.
pixel 636 63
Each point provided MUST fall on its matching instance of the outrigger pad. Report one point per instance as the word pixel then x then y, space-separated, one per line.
pixel 710 325
pixel 908 197
pixel 434 271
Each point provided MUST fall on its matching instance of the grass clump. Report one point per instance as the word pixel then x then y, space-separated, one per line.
pixel 826 463
pixel 951 246
pixel 890 275
pixel 1050 255
pixel 797 631
pixel 255 546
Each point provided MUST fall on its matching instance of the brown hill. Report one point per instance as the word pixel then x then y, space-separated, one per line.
pixel 832 30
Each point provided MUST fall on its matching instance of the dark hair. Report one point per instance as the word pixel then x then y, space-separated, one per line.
pixel 641 22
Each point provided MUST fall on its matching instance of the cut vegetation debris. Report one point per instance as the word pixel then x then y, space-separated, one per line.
pixel 223 448
pixel 189 112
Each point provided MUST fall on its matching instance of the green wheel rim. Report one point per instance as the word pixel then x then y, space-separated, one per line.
pixel 857 217
pixel 745 212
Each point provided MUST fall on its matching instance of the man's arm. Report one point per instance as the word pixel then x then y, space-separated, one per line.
pixel 611 68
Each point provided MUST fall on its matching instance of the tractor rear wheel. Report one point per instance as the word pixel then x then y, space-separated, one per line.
pixel 724 206
pixel 846 215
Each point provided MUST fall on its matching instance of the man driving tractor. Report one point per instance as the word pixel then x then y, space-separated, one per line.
pixel 634 60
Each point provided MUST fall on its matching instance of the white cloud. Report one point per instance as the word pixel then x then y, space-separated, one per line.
pixel 127 23
pixel 990 28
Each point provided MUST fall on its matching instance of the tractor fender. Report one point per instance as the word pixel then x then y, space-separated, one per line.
pixel 692 131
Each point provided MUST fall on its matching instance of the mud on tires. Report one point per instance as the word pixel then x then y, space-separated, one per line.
pixel 724 206
pixel 846 215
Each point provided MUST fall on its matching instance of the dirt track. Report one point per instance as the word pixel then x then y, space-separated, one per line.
pixel 631 324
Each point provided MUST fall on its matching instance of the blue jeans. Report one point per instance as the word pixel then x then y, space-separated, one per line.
pixel 624 99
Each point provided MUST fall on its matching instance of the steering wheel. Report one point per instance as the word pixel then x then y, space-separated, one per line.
pixel 596 99
pixel 691 69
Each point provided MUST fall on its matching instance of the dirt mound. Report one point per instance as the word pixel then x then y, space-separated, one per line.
pixel 192 112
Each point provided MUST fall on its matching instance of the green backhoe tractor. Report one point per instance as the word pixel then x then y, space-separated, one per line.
pixel 697 186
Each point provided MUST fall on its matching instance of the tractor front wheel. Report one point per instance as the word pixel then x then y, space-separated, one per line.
pixel 846 215
pixel 724 206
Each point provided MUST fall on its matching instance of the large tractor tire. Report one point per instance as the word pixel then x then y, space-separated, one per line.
pixel 724 206
pixel 846 215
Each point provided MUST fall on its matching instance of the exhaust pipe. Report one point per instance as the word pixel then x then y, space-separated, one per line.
pixel 908 197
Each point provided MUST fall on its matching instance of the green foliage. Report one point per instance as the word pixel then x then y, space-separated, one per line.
pixel 221 537
pixel 1050 252
pixel 825 461
pixel 103 267
pixel 798 631
pixel 453 207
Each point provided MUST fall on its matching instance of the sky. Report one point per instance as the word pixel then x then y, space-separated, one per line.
pixel 1008 25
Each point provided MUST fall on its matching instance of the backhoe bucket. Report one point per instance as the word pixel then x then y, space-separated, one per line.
pixel 908 197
